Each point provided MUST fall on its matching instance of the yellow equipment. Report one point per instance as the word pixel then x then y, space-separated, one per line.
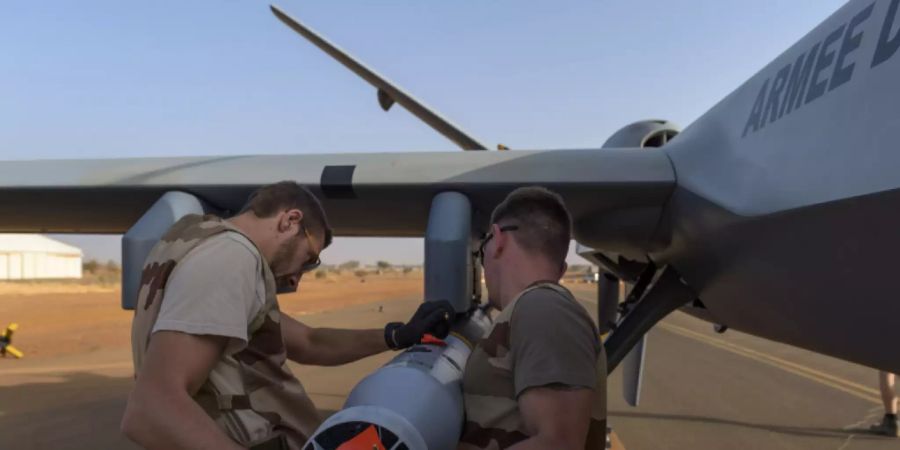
pixel 6 342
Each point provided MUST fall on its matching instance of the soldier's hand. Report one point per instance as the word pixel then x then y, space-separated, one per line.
pixel 432 317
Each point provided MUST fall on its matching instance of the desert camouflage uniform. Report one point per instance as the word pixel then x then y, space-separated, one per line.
pixel 493 420
pixel 252 394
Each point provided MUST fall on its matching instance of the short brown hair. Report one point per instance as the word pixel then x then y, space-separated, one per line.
pixel 271 199
pixel 545 225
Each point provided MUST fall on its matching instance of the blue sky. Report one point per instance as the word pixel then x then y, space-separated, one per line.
pixel 111 79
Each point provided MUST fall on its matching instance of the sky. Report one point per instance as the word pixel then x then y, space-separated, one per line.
pixel 112 79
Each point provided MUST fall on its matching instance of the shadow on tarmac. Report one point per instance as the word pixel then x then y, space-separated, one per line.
pixel 68 411
pixel 82 410
pixel 76 410
pixel 839 433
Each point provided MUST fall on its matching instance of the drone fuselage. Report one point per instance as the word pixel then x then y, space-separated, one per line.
pixel 784 217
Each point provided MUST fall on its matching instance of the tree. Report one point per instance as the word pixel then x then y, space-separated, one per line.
pixel 350 265
pixel 383 265
pixel 112 266
pixel 90 266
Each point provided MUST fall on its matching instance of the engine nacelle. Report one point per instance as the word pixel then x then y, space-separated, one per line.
pixel 628 232
pixel 644 133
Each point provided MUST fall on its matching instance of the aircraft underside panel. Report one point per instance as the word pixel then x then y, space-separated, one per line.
pixel 822 277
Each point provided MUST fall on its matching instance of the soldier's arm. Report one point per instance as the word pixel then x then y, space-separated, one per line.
pixel 555 418
pixel 161 413
pixel 553 344
pixel 329 346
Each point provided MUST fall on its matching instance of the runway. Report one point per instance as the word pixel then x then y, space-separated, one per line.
pixel 702 390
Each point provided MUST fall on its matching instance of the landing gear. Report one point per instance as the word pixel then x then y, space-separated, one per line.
pixel 608 296
pixel 642 312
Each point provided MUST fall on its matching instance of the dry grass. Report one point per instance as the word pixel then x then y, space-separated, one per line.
pixel 77 317
pixel 29 288
pixel 95 279
pixel 106 279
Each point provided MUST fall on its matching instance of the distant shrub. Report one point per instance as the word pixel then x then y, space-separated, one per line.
pixel 321 274
pixel 90 266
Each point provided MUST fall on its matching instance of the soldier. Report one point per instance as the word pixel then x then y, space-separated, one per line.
pixel 210 344
pixel 889 425
pixel 538 380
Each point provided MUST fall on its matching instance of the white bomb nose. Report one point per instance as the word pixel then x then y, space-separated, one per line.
pixel 415 402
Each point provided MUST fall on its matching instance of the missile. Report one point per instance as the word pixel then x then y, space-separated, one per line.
pixel 414 402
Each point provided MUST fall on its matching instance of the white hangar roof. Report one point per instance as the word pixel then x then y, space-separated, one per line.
pixel 35 243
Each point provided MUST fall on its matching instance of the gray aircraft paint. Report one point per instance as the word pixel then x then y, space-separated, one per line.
pixel 393 191
pixel 787 231
pixel 836 145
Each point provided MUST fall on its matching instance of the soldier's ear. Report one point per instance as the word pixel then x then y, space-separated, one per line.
pixel 290 219
pixel 500 238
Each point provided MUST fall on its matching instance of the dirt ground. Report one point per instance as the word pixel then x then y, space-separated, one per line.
pixel 702 390
pixel 70 389
pixel 59 319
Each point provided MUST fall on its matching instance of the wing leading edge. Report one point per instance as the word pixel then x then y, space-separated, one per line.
pixel 386 194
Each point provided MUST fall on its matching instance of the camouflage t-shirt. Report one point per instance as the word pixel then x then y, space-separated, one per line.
pixel 543 338
pixel 204 277
pixel 218 289
pixel 203 296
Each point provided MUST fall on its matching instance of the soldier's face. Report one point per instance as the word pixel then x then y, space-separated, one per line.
pixel 297 252
pixel 490 267
pixel 493 252
pixel 296 256
pixel 285 261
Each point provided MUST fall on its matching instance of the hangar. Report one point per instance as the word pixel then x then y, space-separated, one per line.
pixel 33 256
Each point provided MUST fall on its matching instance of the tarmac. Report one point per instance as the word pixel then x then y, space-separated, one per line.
pixel 701 390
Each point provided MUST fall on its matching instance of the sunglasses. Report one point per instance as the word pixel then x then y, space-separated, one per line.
pixel 314 262
pixel 479 254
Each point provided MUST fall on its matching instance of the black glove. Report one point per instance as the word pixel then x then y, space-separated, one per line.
pixel 431 318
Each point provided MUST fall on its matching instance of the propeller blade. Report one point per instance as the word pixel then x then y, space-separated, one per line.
pixel 388 93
